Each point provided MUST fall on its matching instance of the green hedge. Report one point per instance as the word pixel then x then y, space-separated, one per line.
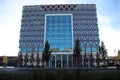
pixel 60 75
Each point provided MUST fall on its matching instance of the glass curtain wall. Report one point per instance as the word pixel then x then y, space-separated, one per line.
pixel 59 31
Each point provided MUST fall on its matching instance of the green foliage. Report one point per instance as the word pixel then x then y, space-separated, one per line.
pixel 103 50
pixel 118 56
pixel 118 51
pixel 77 53
pixel 46 53
pixel 77 48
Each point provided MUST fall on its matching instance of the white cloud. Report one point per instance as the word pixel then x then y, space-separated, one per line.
pixel 110 36
pixel 9 28
pixel 9 41
pixel 10 21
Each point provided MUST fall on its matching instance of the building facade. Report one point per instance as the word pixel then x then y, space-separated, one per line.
pixel 61 25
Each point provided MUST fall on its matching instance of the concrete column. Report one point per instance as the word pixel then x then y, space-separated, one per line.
pixel 67 61
pixel 23 60
pixel 61 62
pixel 29 59
pixel 72 61
pixel 95 61
pixel 88 61
pixel 49 64
pixel 40 62
pixel 82 61
pixel 55 61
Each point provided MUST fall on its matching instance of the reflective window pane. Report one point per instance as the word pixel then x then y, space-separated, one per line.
pixel 59 29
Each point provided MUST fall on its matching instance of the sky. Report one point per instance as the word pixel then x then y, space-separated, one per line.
pixel 108 14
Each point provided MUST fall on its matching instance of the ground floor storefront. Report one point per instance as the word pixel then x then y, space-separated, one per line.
pixel 59 60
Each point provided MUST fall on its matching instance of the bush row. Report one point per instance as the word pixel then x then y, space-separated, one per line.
pixel 60 75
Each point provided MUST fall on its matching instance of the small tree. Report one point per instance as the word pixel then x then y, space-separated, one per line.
pixel 26 59
pixel 31 59
pixel 85 59
pixel 98 59
pixel 77 53
pixel 91 59
pixel 118 55
pixel 37 59
pixel 46 53
pixel 103 51
pixel 20 58
pixel 5 60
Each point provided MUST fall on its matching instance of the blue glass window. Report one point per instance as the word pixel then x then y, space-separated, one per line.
pixel 59 31
pixel 29 49
pixel 23 50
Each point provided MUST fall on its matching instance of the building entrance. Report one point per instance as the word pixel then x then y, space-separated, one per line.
pixel 58 64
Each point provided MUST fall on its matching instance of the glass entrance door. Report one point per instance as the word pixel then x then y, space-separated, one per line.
pixel 58 64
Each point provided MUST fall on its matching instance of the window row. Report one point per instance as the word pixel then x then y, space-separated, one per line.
pixel 58 36
pixel 84 13
pixel 32 32
pixel 36 15
pixel 32 35
pixel 58 19
pixel 85 21
pixel 35 41
pixel 61 47
pixel 86 28
pixel 32 24
pixel 31 38
pixel 61 25
pixel 60 41
pixel 31 44
pixel 59 31
pixel 84 31
pixel 78 31
pixel 33 14
pixel 58 24
pixel 24 50
pixel 87 24
pixel 88 38
pixel 84 17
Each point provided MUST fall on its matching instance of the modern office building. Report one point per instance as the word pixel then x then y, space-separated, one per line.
pixel 61 25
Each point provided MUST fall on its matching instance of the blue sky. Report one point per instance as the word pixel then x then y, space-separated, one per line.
pixel 108 13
